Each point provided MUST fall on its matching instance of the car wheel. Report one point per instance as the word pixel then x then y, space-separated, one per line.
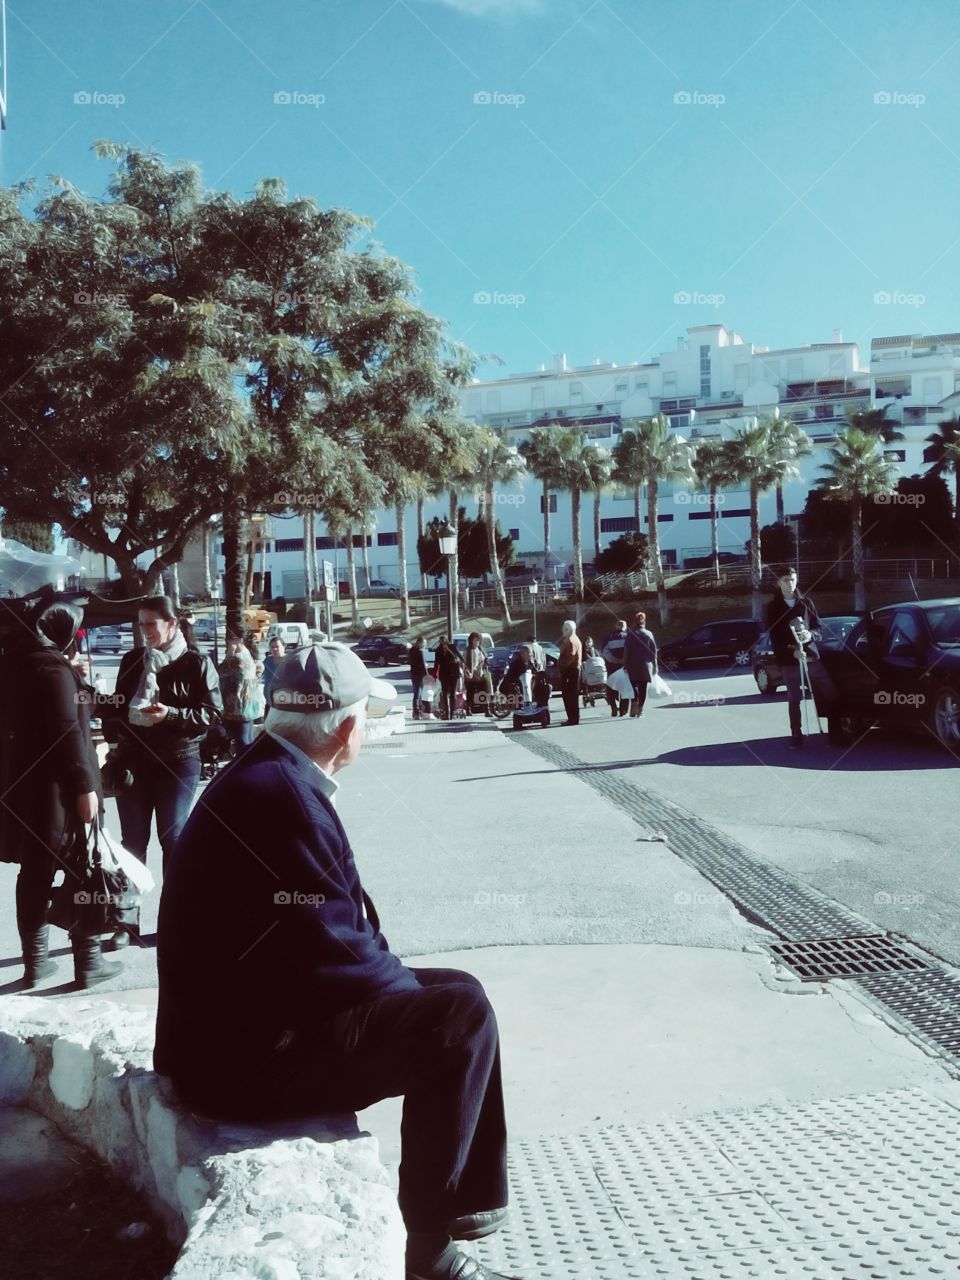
pixel 742 657
pixel 946 718
pixel 762 677
pixel 383 662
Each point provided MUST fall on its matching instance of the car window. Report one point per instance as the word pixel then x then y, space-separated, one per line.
pixel 903 636
pixel 945 626
pixel 701 635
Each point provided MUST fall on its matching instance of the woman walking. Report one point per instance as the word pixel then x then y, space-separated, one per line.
pixel 570 661
pixel 167 697
pixel 56 791
pixel 474 669
pixel 640 661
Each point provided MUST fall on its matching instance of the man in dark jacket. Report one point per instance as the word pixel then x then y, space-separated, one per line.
pixel 793 624
pixel 449 666
pixel 291 1001
pixel 418 673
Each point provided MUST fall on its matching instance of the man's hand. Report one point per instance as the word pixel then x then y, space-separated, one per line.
pixel 156 712
pixel 87 806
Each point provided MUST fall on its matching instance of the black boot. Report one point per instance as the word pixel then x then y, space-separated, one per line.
pixel 36 962
pixel 89 966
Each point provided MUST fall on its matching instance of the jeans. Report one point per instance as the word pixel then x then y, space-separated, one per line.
pixel 241 734
pixel 439 1048
pixel 162 787
pixel 417 708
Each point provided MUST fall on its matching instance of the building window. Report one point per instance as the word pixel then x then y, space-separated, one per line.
pixel 553 503
pixel 705 372
pixel 661 519
pixel 620 390
pixel 618 524
pixel 698 515
pixel 932 389
pixel 282 544
pixel 576 392
pixel 823 411
pixel 729 512
pixel 640 384
pixel 386 539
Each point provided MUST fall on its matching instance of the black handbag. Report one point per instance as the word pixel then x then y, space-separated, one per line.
pixel 91 899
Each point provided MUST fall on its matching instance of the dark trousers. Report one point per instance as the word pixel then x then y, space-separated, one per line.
pixel 474 687
pixel 417 704
pixel 640 688
pixel 164 788
pixel 241 735
pixel 448 695
pixel 791 678
pixel 570 692
pixel 438 1048
pixel 37 871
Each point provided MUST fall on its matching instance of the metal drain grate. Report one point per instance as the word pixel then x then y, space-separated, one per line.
pixel 846 1187
pixel 845 957
pixel 928 1002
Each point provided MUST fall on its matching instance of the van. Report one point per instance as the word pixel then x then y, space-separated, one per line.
pixel 460 639
pixel 293 634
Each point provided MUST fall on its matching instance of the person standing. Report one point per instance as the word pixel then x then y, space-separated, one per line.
pixel 167 697
pixel 418 674
pixel 449 666
pixel 240 693
pixel 474 668
pixel 56 788
pixel 570 661
pixel 270 664
pixel 639 661
pixel 612 654
pixel 793 624
pixel 538 658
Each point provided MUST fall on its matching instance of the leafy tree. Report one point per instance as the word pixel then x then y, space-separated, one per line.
pixel 944 457
pixel 874 422
pixel 36 536
pixel 626 554
pixel 778 543
pixel 628 468
pixel 581 467
pixel 918 517
pixel 857 473
pixel 790 441
pixel 474 548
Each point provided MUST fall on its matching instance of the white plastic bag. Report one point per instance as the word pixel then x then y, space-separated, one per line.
pixel 115 857
pixel 659 687
pixel 621 683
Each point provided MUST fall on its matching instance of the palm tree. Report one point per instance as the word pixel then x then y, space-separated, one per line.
pixel 662 458
pixel 542 456
pixel 793 442
pixel 944 456
pixel 857 472
pixel 459 471
pixel 496 464
pixel 600 471
pixel 581 467
pixel 874 422
pixel 761 459
pixel 628 469
pixel 713 465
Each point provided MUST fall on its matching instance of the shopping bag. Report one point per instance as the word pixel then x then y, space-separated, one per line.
pixel 620 683
pixel 93 897
pixel 428 690
pixel 659 687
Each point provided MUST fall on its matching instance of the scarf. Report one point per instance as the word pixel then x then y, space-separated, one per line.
pixel 153 660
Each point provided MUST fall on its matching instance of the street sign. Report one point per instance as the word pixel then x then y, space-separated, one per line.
pixel 329 580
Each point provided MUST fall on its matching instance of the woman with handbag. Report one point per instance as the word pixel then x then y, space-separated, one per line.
pixel 640 662
pixel 167 697
pixel 56 790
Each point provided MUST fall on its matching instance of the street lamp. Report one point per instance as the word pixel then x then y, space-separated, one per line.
pixel 533 589
pixel 447 538
pixel 215 597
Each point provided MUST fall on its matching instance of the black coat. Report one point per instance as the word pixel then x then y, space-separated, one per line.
pixel 51 758
pixel 190 686
pixel 778 625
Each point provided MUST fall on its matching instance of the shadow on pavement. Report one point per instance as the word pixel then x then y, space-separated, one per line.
pixel 873 753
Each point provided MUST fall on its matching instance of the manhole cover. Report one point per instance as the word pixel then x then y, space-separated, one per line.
pixel 845 957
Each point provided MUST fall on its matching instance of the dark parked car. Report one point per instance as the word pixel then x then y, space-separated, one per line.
pixel 381 651
pixel 729 642
pixel 900 667
pixel 766 670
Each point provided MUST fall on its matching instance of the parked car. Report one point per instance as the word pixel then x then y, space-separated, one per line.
pixel 730 641
pixel 106 640
pixel 766 670
pixel 381 651
pixel 377 587
pixel 899 667
pixel 293 634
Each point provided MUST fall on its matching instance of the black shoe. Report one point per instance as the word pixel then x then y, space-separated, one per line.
pixel 474 1226
pixel 89 966
pixel 119 940
pixel 36 962
pixel 460 1266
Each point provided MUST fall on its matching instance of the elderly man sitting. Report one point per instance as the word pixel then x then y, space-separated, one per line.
pixel 279 995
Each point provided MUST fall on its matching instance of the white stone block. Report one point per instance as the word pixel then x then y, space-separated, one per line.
pixel 71 1077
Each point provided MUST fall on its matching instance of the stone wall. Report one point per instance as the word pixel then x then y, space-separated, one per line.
pixel 303 1201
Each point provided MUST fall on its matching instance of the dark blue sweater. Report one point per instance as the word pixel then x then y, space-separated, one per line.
pixel 262 928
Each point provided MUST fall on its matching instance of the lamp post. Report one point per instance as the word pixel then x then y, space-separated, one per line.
pixel 533 589
pixel 447 538
pixel 215 596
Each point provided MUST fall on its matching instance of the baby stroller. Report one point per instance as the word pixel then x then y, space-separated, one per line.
pixel 593 680
pixel 214 751
pixel 536 712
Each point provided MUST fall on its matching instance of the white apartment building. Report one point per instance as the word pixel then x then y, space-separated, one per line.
pixel 711 382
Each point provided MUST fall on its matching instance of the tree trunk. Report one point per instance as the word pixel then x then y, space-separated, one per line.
pixel 248 575
pixel 956 497
pixel 175 585
pixel 756 564
pixel 365 555
pixel 205 541
pixel 859 588
pixel 577 543
pixel 401 510
pixel 636 509
pixel 546 530
pixel 490 520
pixel 233 570
pixel 315 556
pixel 781 517
pixel 653 551
pixel 455 559
pixel 352 579
pixel 596 528
pixel 714 533
pixel 263 569
pixel 423 576
pixel 308 579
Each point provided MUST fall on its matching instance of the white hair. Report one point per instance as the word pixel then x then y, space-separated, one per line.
pixel 569 628
pixel 312 731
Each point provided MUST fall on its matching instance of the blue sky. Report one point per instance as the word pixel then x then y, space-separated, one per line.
pixel 810 162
